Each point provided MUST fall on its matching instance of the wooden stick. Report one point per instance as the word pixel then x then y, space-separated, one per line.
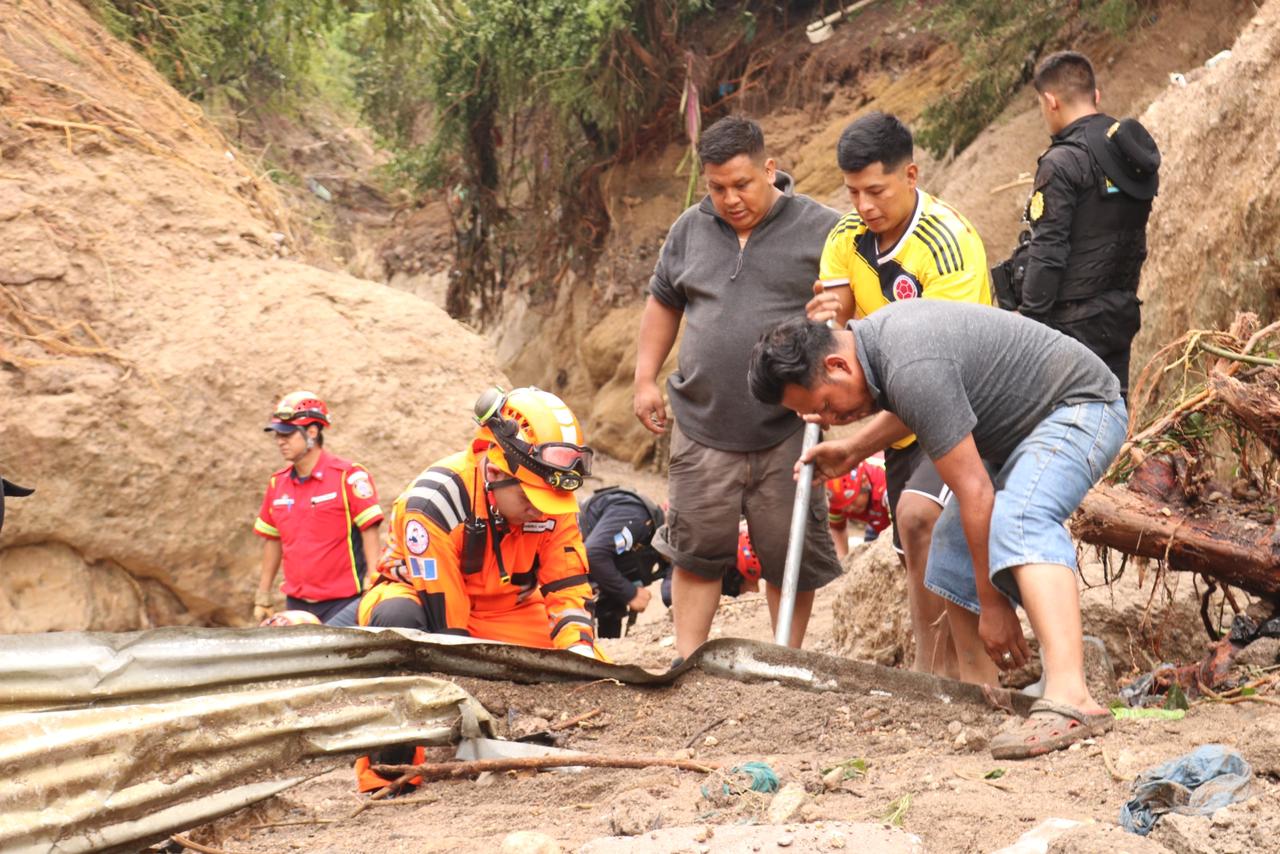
pixel 1239 357
pixel 1017 182
pixel 400 802
pixel 706 729
pixel 597 682
pixel 196 846
pixel 565 724
pixel 1111 769
pixel 454 770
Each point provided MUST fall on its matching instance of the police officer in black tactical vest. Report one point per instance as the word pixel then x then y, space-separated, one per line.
pixel 617 528
pixel 1076 267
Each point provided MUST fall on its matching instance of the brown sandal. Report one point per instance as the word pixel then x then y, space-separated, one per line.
pixel 1050 726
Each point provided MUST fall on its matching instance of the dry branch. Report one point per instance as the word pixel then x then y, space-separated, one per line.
pixel 1255 404
pixel 454 770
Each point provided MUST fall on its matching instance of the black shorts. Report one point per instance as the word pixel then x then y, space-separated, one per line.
pixel 909 469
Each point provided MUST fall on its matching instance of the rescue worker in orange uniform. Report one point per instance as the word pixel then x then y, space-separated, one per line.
pixel 862 495
pixel 485 543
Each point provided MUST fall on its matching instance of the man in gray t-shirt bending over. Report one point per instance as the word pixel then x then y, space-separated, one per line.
pixel 975 383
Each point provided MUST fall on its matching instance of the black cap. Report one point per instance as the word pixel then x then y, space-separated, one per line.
pixel 15 490
pixel 280 427
pixel 1127 154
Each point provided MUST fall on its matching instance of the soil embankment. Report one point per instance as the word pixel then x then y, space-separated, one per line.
pixel 152 315
pixel 880 60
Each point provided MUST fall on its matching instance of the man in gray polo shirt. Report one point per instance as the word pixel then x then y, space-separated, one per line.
pixel 732 266
pixel 975 383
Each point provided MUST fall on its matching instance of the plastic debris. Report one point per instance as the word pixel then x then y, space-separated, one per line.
pixel 1149 714
pixel 1216 58
pixel 1198 783
pixel 1037 839
pixel 320 191
pixel 749 776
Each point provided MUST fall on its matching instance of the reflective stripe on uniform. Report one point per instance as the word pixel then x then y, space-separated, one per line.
pixel 266 530
pixel 369 513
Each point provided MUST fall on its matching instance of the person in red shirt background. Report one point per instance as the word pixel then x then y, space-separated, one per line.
pixel 319 517
pixel 862 495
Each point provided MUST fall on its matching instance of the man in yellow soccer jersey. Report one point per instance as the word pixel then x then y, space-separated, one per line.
pixel 900 243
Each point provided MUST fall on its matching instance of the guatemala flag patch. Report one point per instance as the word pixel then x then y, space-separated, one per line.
pixel 623 541
pixel 423 567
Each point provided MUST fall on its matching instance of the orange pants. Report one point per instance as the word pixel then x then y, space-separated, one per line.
pixel 367 780
pixel 396 604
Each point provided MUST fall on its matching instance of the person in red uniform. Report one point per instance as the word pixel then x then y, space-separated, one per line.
pixel 862 495
pixel 319 517
pixel 485 543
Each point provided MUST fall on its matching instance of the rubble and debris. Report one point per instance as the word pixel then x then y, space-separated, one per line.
pixel 1199 783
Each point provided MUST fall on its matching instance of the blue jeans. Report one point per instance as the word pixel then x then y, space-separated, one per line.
pixel 1037 489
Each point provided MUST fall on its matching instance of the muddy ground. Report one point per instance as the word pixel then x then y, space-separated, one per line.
pixel 933 754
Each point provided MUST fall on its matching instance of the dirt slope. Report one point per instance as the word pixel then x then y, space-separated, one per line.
pixel 1215 237
pixel 878 61
pixel 150 316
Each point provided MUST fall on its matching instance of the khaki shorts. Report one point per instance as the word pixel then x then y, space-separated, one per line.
pixel 711 489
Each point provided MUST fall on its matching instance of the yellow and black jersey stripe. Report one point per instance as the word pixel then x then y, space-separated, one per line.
pixel 940 256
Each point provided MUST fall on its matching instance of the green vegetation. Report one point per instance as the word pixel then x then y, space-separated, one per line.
pixel 1002 42
pixel 516 109
pixel 228 45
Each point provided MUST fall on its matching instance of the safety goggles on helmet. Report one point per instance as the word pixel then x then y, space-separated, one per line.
pixel 561 465
pixel 290 415
pixel 567 464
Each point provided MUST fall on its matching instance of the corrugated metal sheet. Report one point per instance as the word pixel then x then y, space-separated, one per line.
pixel 115 740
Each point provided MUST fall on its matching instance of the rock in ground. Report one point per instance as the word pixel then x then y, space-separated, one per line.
pixel 734 839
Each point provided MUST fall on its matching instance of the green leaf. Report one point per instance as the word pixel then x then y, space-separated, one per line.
pixel 1176 698
pixel 993 774
pixel 1248 692
pixel 896 812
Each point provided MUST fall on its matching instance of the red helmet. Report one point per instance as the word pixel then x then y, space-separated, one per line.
pixel 298 409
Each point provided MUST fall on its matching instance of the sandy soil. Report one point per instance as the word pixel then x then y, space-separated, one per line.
pixel 936 754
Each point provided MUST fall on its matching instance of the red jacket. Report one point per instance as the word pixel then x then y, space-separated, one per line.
pixel 318 521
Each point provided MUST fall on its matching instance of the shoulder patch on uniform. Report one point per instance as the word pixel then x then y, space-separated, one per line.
pixel 441 496
pixel 1035 209
pixel 358 474
pixel 540 527
pixel 416 539
pixel 623 541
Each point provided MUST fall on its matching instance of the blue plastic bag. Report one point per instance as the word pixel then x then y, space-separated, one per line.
pixel 1199 783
